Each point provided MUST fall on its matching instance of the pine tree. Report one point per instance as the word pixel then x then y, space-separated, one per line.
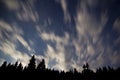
pixel 41 65
pixel 4 64
pixel 32 64
pixel 20 67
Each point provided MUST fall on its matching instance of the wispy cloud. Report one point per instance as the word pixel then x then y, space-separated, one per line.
pixel 9 49
pixel 16 33
pixel 4 26
pixel 63 51
pixel 23 42
pixel 67 17
pixel 54 38
pixel 24 10
pixel 10 35
pixel 55 56
pixel 27 13
pixel 114 58
pixel 1 61
pixel 117 25
pixel 89 43
pixel 12 4
pixel 76 51
pixel 86 22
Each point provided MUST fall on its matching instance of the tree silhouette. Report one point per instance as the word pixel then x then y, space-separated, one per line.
pixel 86 66
pixel 4 64
pixel 41 65
pixel 87 73
pixel 32 72
pixel 16 64
pixel 32 64
pixel 20 67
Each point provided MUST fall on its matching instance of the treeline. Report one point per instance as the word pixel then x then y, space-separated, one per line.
pixel 40 72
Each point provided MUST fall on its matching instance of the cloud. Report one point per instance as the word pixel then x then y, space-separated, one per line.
pixel 76 50
pixel 1 61
pixel 23 42
pixel 55 55
pixel 64 51
pixel 67 52
pixel 16 33
pixel 115 58
pixel 90 50
pixel 55 58
pixel 88 43
pixel 86 22
pixel 49 21
pixel 67 17
pixel 27 13
pixel 60 54
pixel 9 49
pixel 117 41
pixel 31 43
pixel 4 26
pixel 10 35
pixel 112 56
pixel 117 25
pixel 24 10
pixel 54 38
pixel 12 4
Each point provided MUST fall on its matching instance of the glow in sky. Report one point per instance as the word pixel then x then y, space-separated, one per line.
pixel 66 33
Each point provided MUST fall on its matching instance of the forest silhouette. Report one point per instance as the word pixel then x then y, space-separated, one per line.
pixel 40 72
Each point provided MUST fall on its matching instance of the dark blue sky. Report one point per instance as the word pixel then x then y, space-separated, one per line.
pixel 66 33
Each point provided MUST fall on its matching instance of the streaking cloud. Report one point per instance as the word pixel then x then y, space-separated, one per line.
pixel 24 10
pixel 10 35
pixel 67 17
pixel 65 33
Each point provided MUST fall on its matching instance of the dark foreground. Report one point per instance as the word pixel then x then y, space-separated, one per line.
pixel 33 72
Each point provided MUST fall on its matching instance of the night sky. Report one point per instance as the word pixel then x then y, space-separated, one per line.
pixel 66 33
